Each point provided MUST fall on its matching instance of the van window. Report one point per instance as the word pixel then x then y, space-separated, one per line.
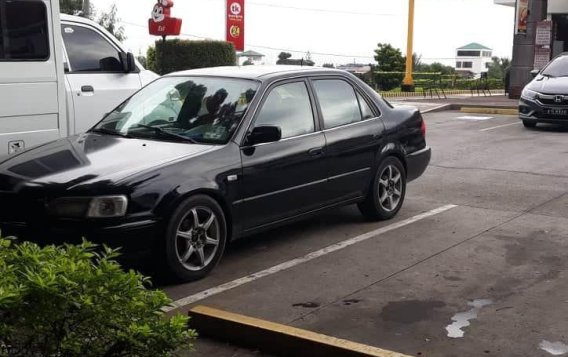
pixel 23 31
pixel 89 51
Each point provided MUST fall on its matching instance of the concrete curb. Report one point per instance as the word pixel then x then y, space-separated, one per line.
pixel 277 339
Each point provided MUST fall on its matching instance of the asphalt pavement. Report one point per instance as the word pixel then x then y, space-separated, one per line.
pixel 484 276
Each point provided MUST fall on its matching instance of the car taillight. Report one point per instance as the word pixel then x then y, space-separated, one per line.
pixel 423 129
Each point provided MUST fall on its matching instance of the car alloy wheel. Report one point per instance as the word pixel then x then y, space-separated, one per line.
pixel 386 193
pixel 390 188
pixel 197 238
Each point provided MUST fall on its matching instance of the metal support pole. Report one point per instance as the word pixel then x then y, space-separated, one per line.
pixel 408 83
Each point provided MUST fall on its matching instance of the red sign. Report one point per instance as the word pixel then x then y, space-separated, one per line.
pixel 236 23
pixel 161 24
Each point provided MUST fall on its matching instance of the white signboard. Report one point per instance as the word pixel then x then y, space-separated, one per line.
pixel 543 33
pixel 541 57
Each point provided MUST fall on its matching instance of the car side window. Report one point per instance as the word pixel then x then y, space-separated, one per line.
pixel 288 107
pixel 338 102
pixel 89 51
pixel 23 31
pixel 366 111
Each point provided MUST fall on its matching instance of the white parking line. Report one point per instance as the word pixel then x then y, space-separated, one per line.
pixel 306 258
pixel 500 126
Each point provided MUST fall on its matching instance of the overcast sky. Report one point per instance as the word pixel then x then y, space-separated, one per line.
pixel 335 31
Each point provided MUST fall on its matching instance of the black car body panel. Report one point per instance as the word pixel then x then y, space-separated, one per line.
pixel 258 186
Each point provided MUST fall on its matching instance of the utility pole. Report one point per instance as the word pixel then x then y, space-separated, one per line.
pixel 524 49
pixel 408 83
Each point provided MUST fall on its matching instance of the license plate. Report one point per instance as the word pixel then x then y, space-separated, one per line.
pixel 556 112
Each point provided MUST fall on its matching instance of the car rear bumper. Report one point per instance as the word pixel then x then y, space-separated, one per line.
pixel 535 112
pixel 133 237
pixel 417 162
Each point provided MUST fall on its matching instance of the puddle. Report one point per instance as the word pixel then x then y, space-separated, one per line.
pixel 554 348
pixel 461 319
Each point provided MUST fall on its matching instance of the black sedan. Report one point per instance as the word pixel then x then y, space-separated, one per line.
pixel 201 157
pixel 545 98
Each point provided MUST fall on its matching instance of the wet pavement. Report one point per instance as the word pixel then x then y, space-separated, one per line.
pixel 485 278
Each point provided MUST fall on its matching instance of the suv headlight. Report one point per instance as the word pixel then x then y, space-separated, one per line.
pixel 89 207
pixel 529 94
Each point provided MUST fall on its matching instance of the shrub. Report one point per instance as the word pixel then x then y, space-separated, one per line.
pixel 178 55
pixel 388 80
pixel 73 301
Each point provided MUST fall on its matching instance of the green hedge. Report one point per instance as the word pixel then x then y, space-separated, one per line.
pixel 178 55
pixel 72 301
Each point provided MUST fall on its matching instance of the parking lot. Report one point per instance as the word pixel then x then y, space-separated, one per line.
pixel 481 239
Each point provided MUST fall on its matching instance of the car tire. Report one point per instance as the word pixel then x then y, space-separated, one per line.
pixel 529 124
pixel 386 194
pixel 196 236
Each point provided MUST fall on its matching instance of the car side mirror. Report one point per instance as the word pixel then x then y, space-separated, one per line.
pixel 535 72
pixel 264 134
pixel 128 62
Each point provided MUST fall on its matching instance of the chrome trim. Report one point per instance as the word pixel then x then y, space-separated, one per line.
pixel 351 124
pixel 349 173
pixel 280 191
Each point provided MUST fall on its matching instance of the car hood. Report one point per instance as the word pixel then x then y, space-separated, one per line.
pixel 89 159
pixel 548 85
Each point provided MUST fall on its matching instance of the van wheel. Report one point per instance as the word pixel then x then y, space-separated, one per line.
pixel 196 236
pixel 386 195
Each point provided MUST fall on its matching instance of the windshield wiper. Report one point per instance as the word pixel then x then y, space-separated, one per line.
pixel 109 132
pixel 547 75
pixel 166 133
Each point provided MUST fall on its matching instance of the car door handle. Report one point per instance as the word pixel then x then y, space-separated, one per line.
pixel 87 89
pixel 315 151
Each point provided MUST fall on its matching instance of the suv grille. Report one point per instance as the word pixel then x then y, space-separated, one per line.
pixel 553 99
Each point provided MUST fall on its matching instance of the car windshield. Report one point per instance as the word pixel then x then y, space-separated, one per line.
pixel 190 109
pixel 557 68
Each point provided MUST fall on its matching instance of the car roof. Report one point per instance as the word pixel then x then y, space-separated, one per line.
pixel 261 72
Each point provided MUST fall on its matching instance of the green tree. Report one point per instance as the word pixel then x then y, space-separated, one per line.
pixel 328 65
pixel 498 67
pixel 284 56
pixel 389 59
pixel 109 20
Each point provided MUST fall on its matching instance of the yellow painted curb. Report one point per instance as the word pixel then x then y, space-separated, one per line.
pixel 501 111
pixel 276 338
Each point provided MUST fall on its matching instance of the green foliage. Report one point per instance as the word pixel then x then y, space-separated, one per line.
pixel 498 67
pixel 72 301
pixel 389 59
pixel 436 67
pixel 76 7
pixel 178 55
pixel 286 58
pixel 388 80
pixel 328 65
pixel 109 20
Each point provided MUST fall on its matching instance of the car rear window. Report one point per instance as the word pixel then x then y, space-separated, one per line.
pixel 23 31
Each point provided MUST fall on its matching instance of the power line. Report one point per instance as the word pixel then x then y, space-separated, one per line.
pixel 320 9
pixel 371 56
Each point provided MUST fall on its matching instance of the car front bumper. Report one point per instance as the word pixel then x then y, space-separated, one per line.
pixel 417 162
pixel 535 112
pixel 133 238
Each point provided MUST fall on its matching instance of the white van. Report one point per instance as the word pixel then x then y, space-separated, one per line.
pixel 58 74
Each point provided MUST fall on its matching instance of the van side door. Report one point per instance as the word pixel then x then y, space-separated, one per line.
pixel 31 76
pixel 95 74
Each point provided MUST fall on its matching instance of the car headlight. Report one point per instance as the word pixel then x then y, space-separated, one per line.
pixel 529 94
pixel 89 207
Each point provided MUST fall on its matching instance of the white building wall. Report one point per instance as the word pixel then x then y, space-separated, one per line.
pixel 557 6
